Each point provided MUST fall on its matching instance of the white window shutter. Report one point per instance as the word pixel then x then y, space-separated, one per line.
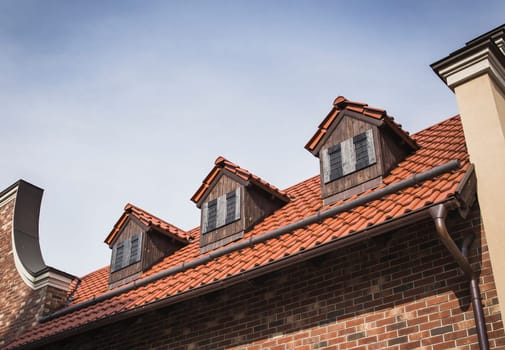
pixel 135 248
pixel 348 157
pixel 370 146
pixel 205 217
pixel 221 211
pixel 126 253
pixel 325 157
pixel 237 204
pixel 113 258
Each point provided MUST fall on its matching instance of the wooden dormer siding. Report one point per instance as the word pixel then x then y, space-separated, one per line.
pixel 356 146
pixel 138 241
pixel 226 233
pixel 131 229
pixel 243 200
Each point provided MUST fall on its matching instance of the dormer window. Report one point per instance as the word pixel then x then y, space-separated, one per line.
pixel 348 156
pixel 232 200
pixel 221 211
pixel 138 241
pixel 357 145
pixel 126 252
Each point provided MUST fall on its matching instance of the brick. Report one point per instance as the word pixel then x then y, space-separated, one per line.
pixel 398 340
pixel 356 336
pixel 397 325
pixel 441 330
pixel 314 306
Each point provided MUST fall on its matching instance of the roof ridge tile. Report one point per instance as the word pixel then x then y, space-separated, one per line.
pixel 223 163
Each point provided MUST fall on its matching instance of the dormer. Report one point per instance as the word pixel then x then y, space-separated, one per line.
pixel 232 200
pixel 139 240
pixel 357 146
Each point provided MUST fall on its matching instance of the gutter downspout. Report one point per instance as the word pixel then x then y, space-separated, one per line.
pixel 439 215
pixel 476 298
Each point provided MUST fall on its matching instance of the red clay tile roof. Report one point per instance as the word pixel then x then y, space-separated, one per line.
pixel 223 164
pixel 438 145
pixel 148 220
pixel 340 104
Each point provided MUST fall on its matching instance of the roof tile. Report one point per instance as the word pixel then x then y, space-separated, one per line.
pixel 305 201
pixel 148 220
pixel 222 163
pixel 340 104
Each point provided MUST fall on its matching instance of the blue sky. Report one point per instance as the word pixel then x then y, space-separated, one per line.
pixel 110 102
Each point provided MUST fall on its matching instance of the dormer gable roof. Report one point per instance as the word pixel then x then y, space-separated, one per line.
pixel 221 165
pixel 188 270
pixel 376 116
pixel 148 220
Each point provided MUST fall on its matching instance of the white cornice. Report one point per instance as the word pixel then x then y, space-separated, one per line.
pixel 49 278
pixel 484 61
pixel 8 196
pixel 500 42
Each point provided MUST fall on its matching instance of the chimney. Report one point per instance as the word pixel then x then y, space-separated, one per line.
pixel 476 74
pixel 29 288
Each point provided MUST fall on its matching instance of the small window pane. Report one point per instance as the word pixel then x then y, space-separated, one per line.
pixel 118 261
pixel 135 249
pixel 230 207
pixel 212 215
pixel 335 154
pixel 221 211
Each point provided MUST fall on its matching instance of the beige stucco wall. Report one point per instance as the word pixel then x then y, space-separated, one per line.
pixel 482 109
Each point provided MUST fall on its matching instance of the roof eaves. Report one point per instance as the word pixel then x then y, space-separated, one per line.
pixel 342 104
pixel 316 218
pixel 149 220
pixel 284 261
pixel 242 175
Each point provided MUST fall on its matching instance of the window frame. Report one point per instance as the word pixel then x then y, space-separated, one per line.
pixel 221 206
pixel 125 248
pixel 350 151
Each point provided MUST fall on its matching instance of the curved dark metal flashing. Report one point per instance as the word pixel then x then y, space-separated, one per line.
pixel 318 217
pixel 26 227
pixel 25 238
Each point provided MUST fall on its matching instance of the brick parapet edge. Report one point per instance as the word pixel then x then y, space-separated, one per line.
pixel 20 306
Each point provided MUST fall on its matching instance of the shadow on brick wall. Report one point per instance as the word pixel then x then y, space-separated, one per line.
pixel 401 288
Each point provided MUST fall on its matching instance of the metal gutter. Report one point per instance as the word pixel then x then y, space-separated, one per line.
pixel 300 256
pixel 320 216
pixel 439 214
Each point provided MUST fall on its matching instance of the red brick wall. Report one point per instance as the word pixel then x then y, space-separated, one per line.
pixel 19 304
pixel 402 293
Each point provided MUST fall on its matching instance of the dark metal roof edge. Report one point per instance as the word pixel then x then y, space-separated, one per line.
pixel 56 271
pixel 18 183
pixel 471 48
pixel 26 229
pixel 493 33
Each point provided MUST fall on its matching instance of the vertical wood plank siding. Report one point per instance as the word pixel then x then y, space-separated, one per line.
pixel 383 151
